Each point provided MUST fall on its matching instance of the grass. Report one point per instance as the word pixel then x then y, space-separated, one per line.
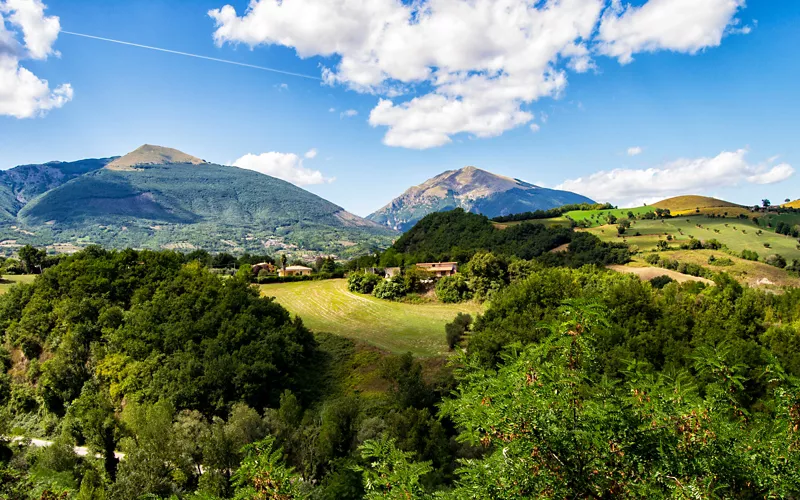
pixel 598 217
pixel 736 234
pixel 327 306
pixel 10 280
pixel 745 271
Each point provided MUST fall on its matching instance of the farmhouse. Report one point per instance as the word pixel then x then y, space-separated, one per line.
pixel 295 271
pixel 440 269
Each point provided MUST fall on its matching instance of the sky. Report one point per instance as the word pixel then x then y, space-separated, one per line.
pixel 627 102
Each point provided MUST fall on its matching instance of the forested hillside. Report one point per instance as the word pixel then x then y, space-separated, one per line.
pixel 156 198
pixel 573 383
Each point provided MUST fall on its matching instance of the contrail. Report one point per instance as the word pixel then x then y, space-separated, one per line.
pixel 263 68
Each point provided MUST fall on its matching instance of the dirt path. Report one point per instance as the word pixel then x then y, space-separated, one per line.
pixel 81 451
pixel 648 273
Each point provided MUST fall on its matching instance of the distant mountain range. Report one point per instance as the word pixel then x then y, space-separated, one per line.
pixel 474 190
pixel 158 197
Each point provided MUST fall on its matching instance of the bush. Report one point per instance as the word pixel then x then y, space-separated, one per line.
pixel 455 331
pixel 661 281
pixel 652 259
pixel 777 261
pixel 749 255
pixel 363 282
pixel 452 289
pixel 389 290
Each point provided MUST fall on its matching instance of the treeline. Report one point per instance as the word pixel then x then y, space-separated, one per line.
pixel 457 236
pixel 553 212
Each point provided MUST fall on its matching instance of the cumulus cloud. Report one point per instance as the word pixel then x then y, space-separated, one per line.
pixel 635 150
pixel 678 25
pixel 348 113
pixel 629 187
pixel 478 64
pixel 286 166
pixel 23 94
pixel 535 127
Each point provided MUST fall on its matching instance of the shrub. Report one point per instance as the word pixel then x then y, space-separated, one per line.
pixel 777 261
pixel 652 259
pixel 749 255
pixel 389 290
pixel 452 289
pixel 362 282
pixel 661 281
pixel 455 331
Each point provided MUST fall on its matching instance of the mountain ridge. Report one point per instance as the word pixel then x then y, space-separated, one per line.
pixel 474 190
pixel 157 197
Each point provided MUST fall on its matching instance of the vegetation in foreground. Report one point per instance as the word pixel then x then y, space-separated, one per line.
pixel 573 382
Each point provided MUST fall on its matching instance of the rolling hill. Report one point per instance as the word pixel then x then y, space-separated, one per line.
pixel 158 197
pixel 474 190
pixel 682 205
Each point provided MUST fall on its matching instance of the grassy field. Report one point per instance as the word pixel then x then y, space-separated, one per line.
pixel 327 306
pixel 745 271
pixel 10 280
pixel 736 234
pixel 599 217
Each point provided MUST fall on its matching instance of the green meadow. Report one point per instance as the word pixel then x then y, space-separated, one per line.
pixel 736 234
pixel 8 281
pixel 327 306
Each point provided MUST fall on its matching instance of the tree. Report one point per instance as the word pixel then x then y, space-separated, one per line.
pixel 32 258
pixel 765 203
pixel 391 473
pixel 263 475
pixel 283 262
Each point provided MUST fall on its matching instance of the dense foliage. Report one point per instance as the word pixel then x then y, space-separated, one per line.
pixel 574 382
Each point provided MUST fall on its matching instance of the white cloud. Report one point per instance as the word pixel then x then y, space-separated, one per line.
pixel 479 63
pixel 635 150
pixel 679 25
pixel 331 110
pixel 286 166
pixel 535 127
pixel 23 94
pixel 348 113
pixel 628 187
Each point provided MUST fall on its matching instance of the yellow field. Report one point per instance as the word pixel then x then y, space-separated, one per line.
pixel 685 204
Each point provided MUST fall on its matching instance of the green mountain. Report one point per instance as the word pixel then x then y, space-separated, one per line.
pixel 21 184
pixel 158 197
pixel 474 190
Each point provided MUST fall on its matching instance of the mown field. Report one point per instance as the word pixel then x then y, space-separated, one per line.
pixel 10 280
pixel 600 217
pixel 736 234
pixel 327 306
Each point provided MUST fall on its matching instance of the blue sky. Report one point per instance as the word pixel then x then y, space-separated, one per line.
pixel 718 121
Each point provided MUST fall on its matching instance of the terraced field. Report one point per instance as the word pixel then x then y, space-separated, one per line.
pixel 8 281
pixel 327 306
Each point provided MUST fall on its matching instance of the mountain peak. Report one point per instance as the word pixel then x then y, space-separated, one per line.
pixel 474 190
pixel 152 155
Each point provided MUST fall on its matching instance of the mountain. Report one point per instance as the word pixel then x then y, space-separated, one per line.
pixel 21 184
pixel 474 190
pixel 158 197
